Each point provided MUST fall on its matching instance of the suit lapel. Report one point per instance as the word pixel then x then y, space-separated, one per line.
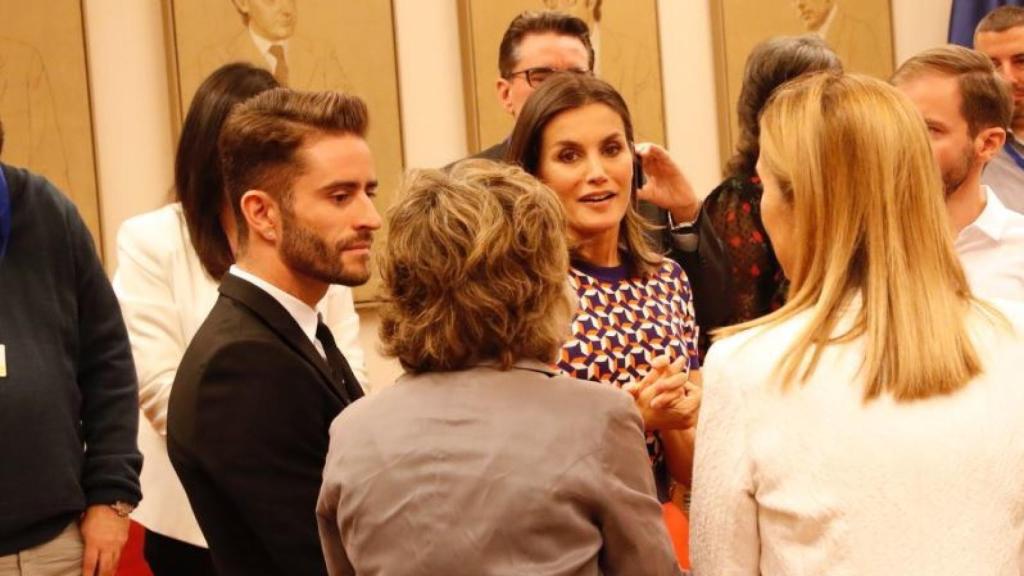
pixel 281 322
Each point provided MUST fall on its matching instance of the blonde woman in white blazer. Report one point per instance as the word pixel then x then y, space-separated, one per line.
pixel 873 424
pixel 166 287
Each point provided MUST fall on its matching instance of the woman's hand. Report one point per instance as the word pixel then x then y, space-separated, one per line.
pixel 665 397
pixel 667 186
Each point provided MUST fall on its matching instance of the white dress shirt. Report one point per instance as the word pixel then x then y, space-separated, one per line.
pixel 165 295
pixel 306 317
pixel 991 251
pixel 815 480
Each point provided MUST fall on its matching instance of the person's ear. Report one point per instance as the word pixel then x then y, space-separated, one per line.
pixel 988 142
pixel 504 87
pixel 262 216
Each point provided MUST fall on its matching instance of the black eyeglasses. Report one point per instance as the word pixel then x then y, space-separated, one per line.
pixel 536 76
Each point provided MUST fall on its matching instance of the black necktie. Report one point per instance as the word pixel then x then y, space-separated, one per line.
pixel 339 366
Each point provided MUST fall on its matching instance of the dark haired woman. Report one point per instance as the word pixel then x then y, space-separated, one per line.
pixel 575 134
pixel 734 206
pixel 170 262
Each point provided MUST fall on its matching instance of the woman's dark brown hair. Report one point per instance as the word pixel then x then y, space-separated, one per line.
pixel 771 64
pixel 197 170
pixel 568 91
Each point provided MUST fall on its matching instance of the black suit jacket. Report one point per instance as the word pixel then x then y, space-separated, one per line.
pixel 496 152
pixel 707 267
pixel 247 433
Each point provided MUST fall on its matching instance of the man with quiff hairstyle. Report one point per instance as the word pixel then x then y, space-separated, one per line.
pixel 262 379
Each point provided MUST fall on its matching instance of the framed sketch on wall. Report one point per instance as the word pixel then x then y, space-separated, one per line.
pixel 625 37
pixel 44 99
pixel 307 45
pixel 860 32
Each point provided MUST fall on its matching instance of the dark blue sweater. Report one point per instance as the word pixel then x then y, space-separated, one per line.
pixel 69 402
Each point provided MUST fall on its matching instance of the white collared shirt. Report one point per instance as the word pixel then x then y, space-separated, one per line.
pixel 306 317
pixel 263 45
pixel 991 251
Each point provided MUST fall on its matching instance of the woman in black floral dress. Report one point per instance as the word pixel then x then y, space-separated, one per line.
pixel 734 206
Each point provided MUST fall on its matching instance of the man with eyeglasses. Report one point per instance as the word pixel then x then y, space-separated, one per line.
pixel 535 46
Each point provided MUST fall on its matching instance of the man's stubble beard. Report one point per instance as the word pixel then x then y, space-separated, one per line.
pixel 308 254
pixel 953 180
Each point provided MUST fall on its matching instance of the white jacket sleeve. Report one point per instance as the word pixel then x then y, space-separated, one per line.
pixel 143 287
pixel 724 535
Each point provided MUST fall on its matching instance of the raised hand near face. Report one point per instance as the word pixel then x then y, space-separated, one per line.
pixel 667 186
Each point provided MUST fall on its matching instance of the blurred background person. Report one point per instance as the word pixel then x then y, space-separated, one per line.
pixel 70 474
pixel 871 424
pixel 170 262
pixel 534 46
pixel 967 108
pixel 734 206
pixel 575 135
pixel 1000 36
pixel 471 463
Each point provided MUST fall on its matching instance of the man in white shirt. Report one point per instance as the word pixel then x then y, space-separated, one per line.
pixel 965 107
pixel 262 379
pixel 1000 36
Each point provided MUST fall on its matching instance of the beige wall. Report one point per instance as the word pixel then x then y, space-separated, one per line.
pixel 130 97
pixel 919 25
pixel 131 110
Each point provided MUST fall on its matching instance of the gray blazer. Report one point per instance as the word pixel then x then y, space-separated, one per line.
pixel 489 472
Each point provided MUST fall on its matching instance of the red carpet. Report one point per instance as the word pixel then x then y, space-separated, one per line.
pixel 132 562
pixel 679 531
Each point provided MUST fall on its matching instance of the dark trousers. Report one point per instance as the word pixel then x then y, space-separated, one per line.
pixel 170 557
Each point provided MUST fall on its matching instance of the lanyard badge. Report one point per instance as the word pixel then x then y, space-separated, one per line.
pixel 1013 153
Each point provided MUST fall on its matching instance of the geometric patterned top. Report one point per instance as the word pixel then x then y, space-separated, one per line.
pixel 624 322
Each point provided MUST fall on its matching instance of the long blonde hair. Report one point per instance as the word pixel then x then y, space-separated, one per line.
pixel 852 158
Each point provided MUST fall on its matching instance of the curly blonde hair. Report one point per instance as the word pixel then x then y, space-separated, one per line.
pixel 475 270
